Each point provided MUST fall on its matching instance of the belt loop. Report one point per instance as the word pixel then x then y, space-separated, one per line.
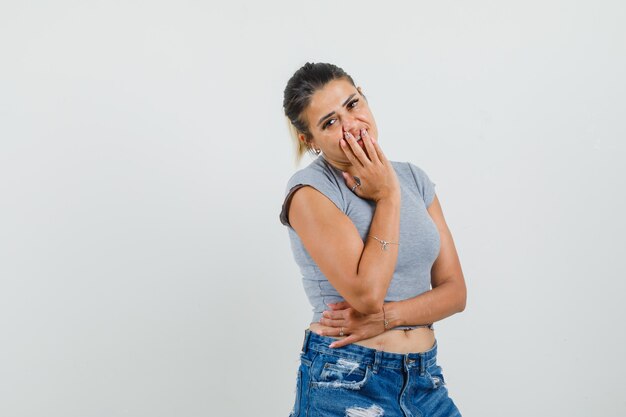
pixel 422 364
pixel 305 343
pixel 377 358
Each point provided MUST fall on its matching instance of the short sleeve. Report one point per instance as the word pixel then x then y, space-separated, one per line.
pixel 322 181
pixel 425 186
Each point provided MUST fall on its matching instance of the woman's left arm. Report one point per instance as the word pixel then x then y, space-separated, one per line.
pixel 447 296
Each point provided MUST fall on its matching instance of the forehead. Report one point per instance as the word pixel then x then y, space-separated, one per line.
pixel 330 97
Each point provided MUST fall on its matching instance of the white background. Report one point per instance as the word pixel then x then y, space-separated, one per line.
pixel 143 161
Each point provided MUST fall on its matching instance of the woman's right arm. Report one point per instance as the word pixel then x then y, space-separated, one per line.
pixel 359 271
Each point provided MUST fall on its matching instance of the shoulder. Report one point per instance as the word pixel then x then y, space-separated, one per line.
pixel 319 175
pixel 318 171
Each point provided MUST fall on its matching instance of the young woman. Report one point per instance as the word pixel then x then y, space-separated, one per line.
pixel 370 239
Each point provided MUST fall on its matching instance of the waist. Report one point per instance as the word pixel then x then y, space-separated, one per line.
pixel 314 343
pixel 416 340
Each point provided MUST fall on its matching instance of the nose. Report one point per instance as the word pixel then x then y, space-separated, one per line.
pixel 350 124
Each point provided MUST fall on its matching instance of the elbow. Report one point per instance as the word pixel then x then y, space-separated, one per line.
pixel 461 306
pixel 372 308
pixel 371 304
pixel 462 299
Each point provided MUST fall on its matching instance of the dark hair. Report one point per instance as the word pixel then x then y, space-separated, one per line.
pixel 300 88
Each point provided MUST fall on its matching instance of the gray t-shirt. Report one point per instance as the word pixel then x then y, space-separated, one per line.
pixel 419 237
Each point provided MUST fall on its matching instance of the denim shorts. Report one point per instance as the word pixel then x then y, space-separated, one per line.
pixel 356 381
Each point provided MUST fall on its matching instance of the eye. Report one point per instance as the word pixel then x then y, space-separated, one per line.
pixel 328 123
pixel 350 105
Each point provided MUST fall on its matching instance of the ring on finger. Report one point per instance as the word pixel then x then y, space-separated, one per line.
pixel 341 332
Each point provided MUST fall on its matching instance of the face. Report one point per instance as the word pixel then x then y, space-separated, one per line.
pixel 336 108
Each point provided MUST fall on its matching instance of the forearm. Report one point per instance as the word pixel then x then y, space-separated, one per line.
pixel 376 267
pixel 431 306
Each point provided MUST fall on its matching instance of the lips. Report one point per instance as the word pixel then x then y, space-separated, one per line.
pixel 359 140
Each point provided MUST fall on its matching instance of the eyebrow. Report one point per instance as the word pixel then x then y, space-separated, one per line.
pixel 332 112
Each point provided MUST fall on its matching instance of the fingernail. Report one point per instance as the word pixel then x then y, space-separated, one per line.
pixel 332 345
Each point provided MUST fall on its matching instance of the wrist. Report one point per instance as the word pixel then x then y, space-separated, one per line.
pixel 392 198
pixel 384 320
pixel 392 315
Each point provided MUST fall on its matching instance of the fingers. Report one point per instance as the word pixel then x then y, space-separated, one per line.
pixel 369 141
pixel 345 341
pixel 345 147
pixel 342 305
pixel 350 182
pixel 379 152
pixel 333 314
pixel 374 152
pixel 333 322
pixel 333 331
pixel 357 151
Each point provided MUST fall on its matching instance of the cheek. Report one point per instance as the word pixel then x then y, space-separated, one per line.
pixel 366 114
pixel 330 137
pixel 334 134
pixel 371 121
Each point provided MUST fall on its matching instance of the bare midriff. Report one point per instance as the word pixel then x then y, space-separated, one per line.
pixel 416 340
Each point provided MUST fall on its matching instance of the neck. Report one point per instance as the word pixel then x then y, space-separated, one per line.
pixel 342 166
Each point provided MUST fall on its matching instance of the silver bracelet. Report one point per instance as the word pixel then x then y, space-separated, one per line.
pixel 384 243
pixel 385 322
